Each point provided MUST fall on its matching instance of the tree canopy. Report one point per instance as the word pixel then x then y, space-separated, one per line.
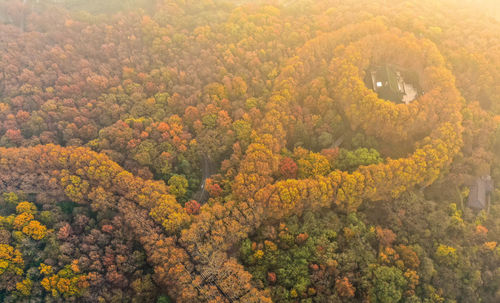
pixel 231 151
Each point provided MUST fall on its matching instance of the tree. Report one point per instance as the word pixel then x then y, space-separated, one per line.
pixel 11 266
pixel 350 160
pixel 178 185
pixel 66 283
pixel 388 284
pixel 288 168
pixel 35 229
pixel 446 254
pixel 311 164
pixel 344 288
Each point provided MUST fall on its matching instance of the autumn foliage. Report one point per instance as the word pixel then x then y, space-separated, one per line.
pixel 205 151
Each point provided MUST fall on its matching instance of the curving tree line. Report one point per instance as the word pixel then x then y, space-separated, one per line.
pixel 193 250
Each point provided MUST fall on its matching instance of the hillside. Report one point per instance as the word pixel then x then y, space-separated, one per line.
pixel 246 151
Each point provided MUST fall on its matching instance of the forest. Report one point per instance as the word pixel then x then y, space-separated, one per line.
pixel 245 151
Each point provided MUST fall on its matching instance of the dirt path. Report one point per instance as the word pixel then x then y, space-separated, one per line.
pixel 207 169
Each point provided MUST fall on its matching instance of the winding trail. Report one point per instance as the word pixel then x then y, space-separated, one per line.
pixel 207 169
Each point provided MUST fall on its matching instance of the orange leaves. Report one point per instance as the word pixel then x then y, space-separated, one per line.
pixel 271 277
pixel 362 107
pixel 301 238
pixel 286 197
pixel 238 88
pixel 288 168
pixel 192 207
pixel 14 136
pixel 101 199
pixel 66 283
pixel 481 230
pixel 25 222
pixel 45 269
pixel 86 176
pixel 351 189
pixel 74 266
pixel 344 288
pixel 26 207
pixel 24 287
pixel 311 164
pixel 10 260
pixel 490 246
pixel 97 82
pixel 409 256
pixel 35 229
pixel 385 236
pixel 223 119
pixel 413 279
pixel 174 132
pixel 163 127
pixel 213 188
pixel 22 220
pixel 259 159
pixel 263 129
pixel 215 91
pixel 75 188
pixel 169 213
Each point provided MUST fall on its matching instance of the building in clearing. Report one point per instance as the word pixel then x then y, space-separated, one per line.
pixel 389 84
pixel 480 193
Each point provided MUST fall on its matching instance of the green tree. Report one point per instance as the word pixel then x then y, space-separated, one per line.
pixel 350 160
pixel 178 185
pixel 388 284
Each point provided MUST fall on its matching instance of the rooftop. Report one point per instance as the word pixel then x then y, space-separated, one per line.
pixel 388 82
pixel 480 192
